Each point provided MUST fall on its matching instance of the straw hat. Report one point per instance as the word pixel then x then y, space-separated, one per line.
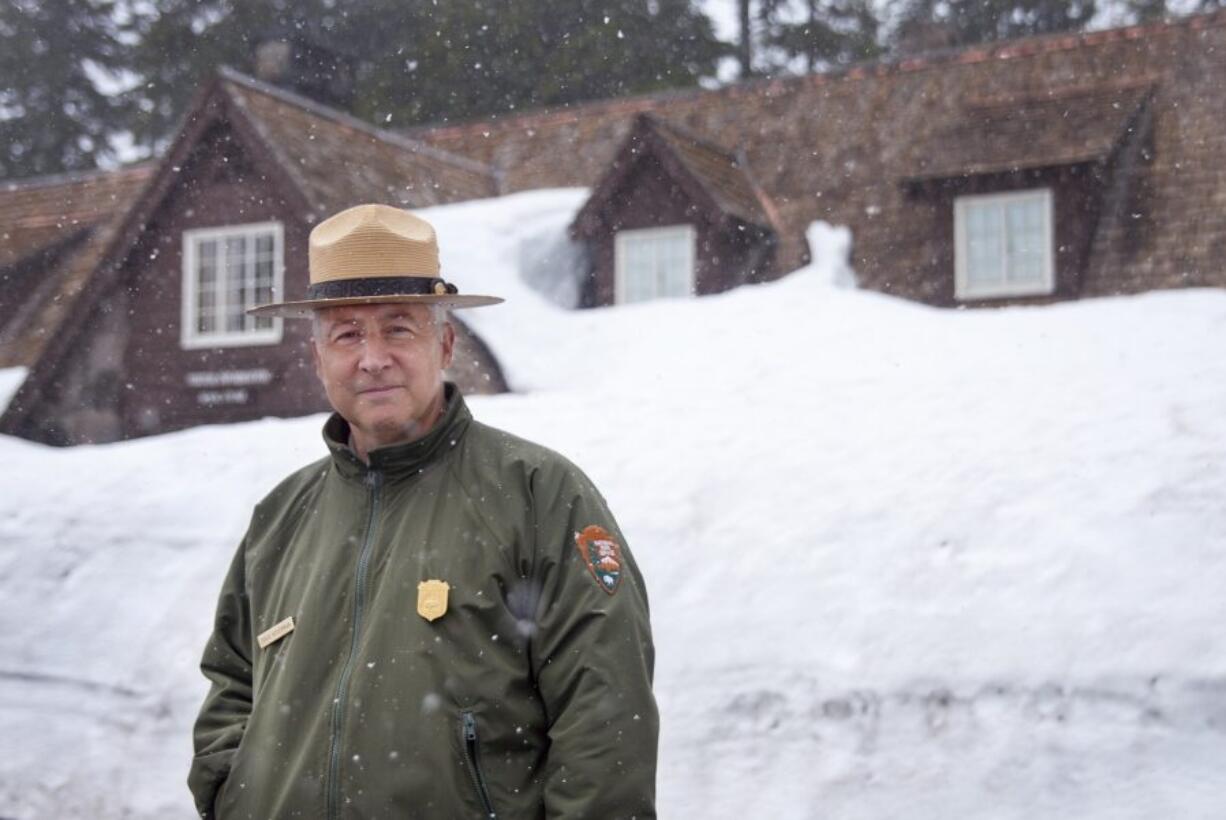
pixel 372 254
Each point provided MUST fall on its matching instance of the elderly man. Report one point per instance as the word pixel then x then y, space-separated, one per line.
pixel 438 619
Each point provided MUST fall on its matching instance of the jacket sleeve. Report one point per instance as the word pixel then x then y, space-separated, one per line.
pixel 593 658
pixel 227 664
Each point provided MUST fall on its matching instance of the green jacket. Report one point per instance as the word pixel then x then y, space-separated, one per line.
pixel 528 697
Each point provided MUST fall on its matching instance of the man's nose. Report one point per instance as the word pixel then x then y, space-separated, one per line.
pixel 374 354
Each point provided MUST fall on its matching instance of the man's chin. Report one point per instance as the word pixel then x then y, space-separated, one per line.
pixel 389 430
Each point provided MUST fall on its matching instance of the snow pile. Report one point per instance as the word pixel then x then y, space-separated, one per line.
pixel 903 562
pixel 10 380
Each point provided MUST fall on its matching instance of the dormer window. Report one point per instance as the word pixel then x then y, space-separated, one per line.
pixel 1003 245
pixel 654 263
pixel 225 272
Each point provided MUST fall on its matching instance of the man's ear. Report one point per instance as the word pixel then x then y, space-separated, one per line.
pixel 448 344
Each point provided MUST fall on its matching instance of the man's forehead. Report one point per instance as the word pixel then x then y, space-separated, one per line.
pixel 418 314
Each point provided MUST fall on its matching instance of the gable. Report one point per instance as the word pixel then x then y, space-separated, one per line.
pixel 225 168
pixel 338 161
pixel 676 170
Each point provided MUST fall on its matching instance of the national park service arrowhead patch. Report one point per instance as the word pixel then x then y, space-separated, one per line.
pixel 603 556
pixel 432 599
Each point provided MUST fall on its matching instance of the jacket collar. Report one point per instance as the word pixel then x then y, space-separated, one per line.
pixel 400 460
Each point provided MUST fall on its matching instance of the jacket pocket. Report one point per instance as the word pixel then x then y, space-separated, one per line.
pixel 472 757
pixel 223 801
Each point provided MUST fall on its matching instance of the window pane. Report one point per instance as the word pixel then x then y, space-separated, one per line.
pixel 673 273
pixel 639 270
pixel 206 321
pixel 235 279
pixel 1005 244
pixel 263 280
pixel 206 285
pixel 206 266
pixel 233 272
pixel 262 285
pixel 655 264
pixel 1026 246
pixel 639 284
pixel 984 251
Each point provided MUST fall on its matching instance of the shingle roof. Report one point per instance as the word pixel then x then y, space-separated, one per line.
pixel 720 172
pixel 834 147
pixel 714 176
pixel 991 136
pixel 338 160
pixel 38 213
pixel 79 213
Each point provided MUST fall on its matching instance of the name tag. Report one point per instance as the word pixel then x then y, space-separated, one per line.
pixel 276 633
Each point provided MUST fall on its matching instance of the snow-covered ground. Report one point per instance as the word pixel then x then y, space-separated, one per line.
pixel 10 379
pixel 904 562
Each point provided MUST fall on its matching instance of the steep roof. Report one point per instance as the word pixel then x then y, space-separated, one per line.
pixel 337 160
pixel 714 176
pixel 38 213
pixel 52 231
pixel 721 173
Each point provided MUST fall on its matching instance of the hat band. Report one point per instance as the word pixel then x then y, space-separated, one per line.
pixel 380 286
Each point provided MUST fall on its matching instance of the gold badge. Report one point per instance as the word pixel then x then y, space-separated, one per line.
pixel 432 599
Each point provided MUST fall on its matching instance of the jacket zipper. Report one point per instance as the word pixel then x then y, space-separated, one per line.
pixel 469 732
pixel 373 479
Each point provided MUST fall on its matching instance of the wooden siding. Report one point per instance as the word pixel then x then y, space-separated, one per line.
pixel 1076 196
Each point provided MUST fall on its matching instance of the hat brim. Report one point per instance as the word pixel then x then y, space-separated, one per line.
pixel 306 308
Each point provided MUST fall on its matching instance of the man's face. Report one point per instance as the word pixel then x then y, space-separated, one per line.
pixel 382 368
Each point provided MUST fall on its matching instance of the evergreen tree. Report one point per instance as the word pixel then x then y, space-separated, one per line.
pixel 962 22
pixel 420 61
pixel 53 116
pixel 182 42
pixel 825 32
pixel 459 60
pixel 745 38
pixel 1144 11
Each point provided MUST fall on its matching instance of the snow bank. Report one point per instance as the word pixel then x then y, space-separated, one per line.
pixel 903 562
pixel 10 380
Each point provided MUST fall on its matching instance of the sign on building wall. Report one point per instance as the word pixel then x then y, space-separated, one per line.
pixel 220 387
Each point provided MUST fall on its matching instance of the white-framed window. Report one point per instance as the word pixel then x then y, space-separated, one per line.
pixel 653 263
pixel 1003 245
pixel 226 271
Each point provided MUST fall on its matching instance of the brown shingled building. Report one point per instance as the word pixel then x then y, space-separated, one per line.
pixel 1123 129
pixel 134 318
pixel 1044 169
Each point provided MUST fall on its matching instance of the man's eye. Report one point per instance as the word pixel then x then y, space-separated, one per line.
pixel 345 336
pixel 401 330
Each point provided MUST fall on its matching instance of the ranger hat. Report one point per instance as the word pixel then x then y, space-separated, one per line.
pixel 372 254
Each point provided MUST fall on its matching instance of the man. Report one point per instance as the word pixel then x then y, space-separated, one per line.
pixel 438 620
